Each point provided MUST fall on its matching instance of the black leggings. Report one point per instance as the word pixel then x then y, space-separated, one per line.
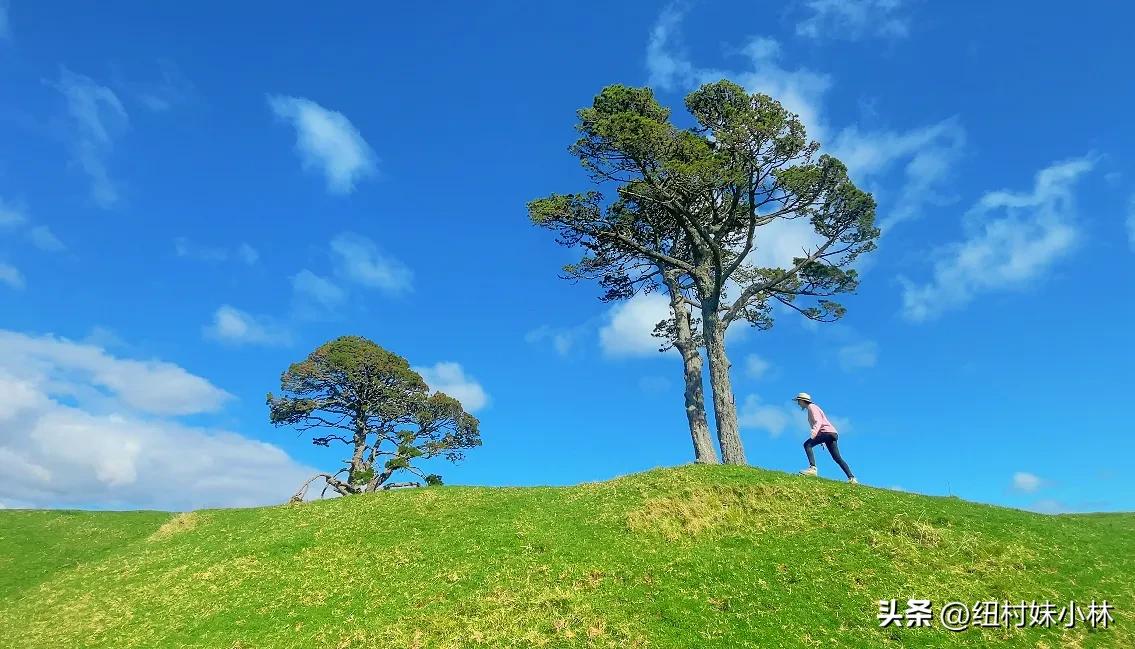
pixel 828 440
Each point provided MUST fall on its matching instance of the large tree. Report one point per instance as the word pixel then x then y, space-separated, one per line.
pixel 351 392
pixel 746 165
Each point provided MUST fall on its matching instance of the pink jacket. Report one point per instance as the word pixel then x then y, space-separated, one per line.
pixel 819 421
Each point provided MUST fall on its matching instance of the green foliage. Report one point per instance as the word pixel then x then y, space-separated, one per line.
pixel 364 475
pixel 624 121
pixel 696 199
pixel 408 450
pixel 346 372
pixel 397 462
pixel 693 556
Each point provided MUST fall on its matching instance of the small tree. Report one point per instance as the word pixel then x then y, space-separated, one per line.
pixel 355 393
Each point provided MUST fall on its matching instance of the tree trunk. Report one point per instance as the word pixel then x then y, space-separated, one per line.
pixel 343 488
pixel 358 465
pixel 379 479
pixel 704 453
pixel 724 407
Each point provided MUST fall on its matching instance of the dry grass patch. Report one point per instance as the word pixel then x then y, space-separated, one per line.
pixel 907 541
pixel 710 509
pixel 905 531
pixel 176 525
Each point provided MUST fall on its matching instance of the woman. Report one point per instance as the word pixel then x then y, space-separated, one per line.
pixel 823 432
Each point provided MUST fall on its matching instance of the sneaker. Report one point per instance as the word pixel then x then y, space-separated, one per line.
pixel 809 471
pixel 852 480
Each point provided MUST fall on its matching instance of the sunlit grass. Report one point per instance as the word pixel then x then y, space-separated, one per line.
pixel 692 556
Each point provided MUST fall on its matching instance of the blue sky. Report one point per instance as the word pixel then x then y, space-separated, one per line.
pixel 192 197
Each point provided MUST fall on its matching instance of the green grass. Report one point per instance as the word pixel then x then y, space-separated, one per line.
pixel 685 557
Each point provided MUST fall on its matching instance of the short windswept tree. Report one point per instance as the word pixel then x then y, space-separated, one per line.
pixel 351 392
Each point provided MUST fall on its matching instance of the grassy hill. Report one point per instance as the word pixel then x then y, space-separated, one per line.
pixel 684 557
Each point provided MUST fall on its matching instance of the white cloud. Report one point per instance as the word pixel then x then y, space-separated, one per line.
pixel 247 254
pixel 103 337
pixel 60 446
pixel 1049 506
pixel 1131 223
pixel 628 332
pixel 359 259
pixel 780 241
pixel 233 326
pixel 320 290
pixel 842 424
pixel 628 327
pixel 756 367
pixel 1006 252
pixel 43 238
pixel 171 90
pixel 858 355
pixel 800 91
pixel 11 276
pixel 97 119
pixel 152 387
pixel 450 378
pixel 870 153
pixel 665 61
pixel 328 141
pixel 738 332
pixel 14 218
pixel 1026 482
pixel 853 19
pixel 925 155
pixel 562 339
pixel 190 250
pixel 214 254
pixel 11 215
pixel 771 418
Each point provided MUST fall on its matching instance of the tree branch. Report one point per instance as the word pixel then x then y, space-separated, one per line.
pixel 751 291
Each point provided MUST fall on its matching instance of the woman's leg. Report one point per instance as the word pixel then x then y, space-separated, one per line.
pixel 833 448
pixel 808 444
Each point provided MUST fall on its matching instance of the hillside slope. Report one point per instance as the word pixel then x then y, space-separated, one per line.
pixel 691 556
